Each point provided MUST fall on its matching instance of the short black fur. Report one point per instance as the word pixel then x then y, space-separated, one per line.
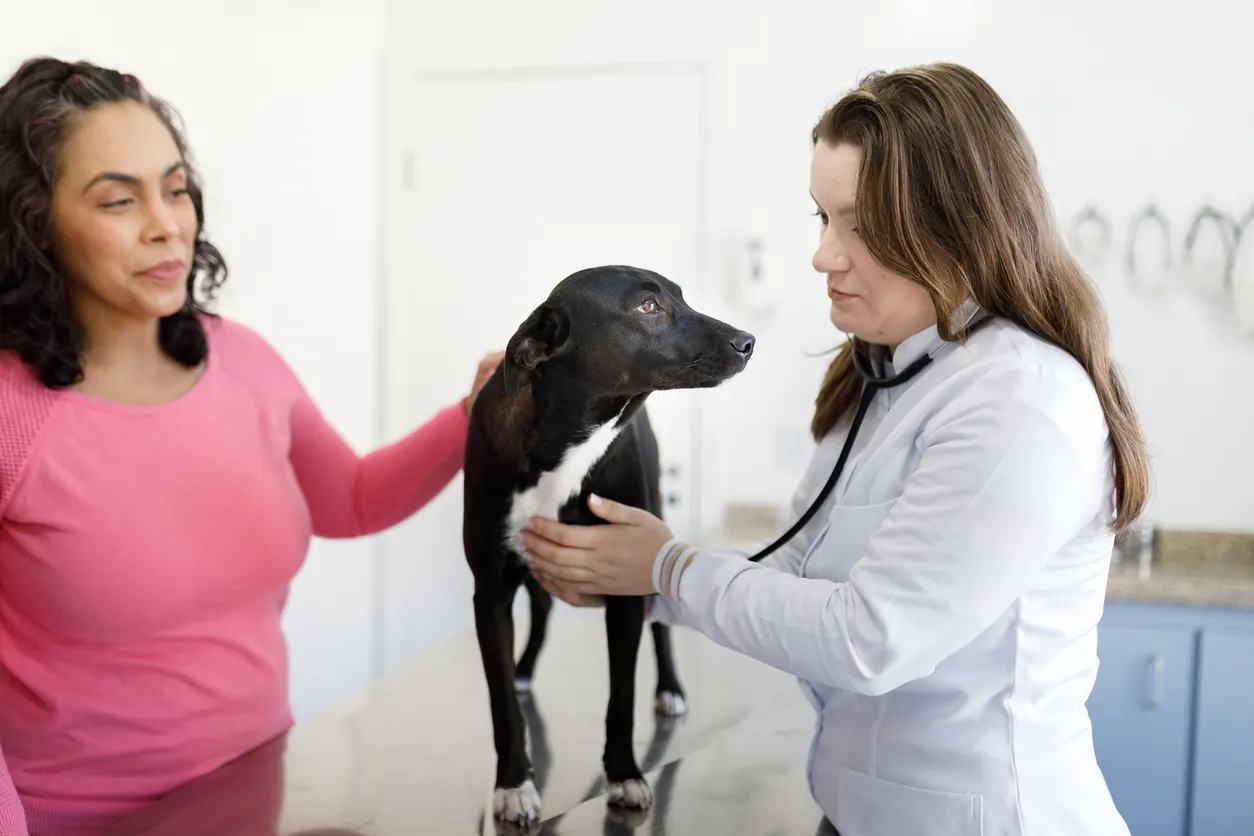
pixel 590 355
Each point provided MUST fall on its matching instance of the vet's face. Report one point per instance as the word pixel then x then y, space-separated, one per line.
pixel 627 331
pixel 867 300
pixel 123 223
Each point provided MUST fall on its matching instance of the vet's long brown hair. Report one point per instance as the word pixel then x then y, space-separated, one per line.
pixel 949 196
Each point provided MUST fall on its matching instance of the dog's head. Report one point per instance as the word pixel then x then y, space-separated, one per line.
pixel 623 331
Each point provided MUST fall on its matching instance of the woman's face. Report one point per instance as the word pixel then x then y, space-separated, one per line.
pixel 123 223
pixel 867 300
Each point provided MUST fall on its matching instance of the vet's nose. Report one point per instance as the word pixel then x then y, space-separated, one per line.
pixel 743 343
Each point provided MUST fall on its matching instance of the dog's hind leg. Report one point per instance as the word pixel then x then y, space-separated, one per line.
pixel 669 699
pixel 624 627
pixel 516 798
pixel 541 606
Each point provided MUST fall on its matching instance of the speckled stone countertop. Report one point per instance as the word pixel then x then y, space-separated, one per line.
pixel 1194 568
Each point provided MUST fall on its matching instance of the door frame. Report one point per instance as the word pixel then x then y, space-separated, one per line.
pixel 396 74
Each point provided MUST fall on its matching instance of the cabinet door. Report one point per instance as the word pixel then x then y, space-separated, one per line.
pixel 1223 777
pixel 1142 708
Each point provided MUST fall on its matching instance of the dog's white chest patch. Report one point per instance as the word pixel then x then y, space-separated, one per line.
pixel 557 486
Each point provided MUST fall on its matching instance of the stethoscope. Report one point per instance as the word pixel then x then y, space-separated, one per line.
pixel 871 383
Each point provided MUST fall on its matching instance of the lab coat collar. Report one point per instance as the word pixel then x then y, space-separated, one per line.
pixel 918 344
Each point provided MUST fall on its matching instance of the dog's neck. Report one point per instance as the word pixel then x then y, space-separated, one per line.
pixel 549 419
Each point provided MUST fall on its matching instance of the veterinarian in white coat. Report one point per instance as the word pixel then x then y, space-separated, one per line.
pixel 941 607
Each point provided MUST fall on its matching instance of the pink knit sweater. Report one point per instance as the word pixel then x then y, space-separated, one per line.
pixel 145 558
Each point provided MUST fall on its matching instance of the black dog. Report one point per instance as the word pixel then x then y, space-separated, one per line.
pixel 562 417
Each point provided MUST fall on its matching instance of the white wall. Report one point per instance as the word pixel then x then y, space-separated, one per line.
pixel 1125 102
pixel 280 104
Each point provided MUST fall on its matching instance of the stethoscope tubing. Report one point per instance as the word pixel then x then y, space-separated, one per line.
pixel 870 385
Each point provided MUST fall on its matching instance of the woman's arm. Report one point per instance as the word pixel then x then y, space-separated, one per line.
pixel 1000 487
pixel 788 557
pixel 351 495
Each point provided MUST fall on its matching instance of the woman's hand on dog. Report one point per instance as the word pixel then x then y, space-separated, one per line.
pixel 579 563
pixel 487 366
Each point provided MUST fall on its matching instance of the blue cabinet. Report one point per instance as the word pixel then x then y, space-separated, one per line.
pixel 1142 710
pixel 1223 765
pixel 1173 718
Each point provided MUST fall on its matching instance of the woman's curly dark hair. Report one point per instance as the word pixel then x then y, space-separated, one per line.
pixel 38 105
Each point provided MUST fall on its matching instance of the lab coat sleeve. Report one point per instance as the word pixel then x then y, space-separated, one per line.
pixel 788 557
pixel 999 488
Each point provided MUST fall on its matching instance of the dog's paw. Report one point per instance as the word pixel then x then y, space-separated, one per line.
pixel 520 805
pixel 523 685
pixel 670 704
pixel 633 793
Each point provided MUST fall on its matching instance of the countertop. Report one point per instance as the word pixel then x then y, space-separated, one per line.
pixel 1194 568
pixel 413 754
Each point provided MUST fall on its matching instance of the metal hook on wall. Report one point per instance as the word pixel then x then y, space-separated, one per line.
pixel 1153 214
pixel 1241 274
pixel 1229 231
pixel 1086 216
pixel 1242 224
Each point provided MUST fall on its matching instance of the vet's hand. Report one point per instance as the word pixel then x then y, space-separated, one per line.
pixel 576 562
pixel 486 367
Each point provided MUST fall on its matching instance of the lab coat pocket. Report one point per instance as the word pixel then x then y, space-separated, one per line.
pixel 867 806
pixel 845 540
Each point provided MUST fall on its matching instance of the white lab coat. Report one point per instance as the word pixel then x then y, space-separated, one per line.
pixel 941 610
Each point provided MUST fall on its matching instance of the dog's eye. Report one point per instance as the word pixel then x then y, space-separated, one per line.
pixel 648 306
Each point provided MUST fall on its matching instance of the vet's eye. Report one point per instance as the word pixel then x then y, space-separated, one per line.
pixel 648 306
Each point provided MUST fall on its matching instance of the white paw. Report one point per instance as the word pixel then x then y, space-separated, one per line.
pixel 634 793
pixel 670 704
pixel 520 805
pixel 523 686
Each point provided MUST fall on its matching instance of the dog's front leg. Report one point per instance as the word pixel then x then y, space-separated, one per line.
pixel 624 625
pixel 515 798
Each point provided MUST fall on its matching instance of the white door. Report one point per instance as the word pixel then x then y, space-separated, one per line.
pixel 501 184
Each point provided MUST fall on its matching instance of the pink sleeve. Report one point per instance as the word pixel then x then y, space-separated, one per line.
pixel 349 495
pixel 12 817
pixel 24 407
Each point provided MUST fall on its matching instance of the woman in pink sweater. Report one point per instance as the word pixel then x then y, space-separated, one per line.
pixel 161 469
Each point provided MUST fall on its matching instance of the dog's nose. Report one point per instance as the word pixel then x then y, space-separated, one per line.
pixel 743 343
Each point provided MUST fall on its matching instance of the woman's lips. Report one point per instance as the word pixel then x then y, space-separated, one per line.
pixel 166 271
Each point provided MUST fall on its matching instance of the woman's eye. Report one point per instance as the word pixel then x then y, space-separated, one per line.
pixel 648 306
pixel 821 216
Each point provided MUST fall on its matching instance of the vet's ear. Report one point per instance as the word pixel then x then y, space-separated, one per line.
pixel 544 335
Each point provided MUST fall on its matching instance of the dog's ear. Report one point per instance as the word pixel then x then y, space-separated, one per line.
pixel 544 335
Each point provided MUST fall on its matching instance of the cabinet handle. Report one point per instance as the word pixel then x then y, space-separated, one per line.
pixel 1157 670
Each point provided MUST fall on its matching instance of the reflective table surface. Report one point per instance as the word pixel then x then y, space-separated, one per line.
pixel 413 753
